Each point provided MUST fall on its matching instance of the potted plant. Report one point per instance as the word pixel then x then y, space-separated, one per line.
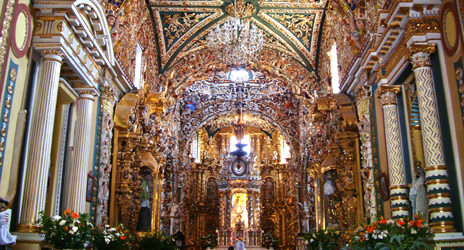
pixel 322 239
pixel 209 241
pixel 270 241
pixel 70 231
pixel 114 238
pixel 402 234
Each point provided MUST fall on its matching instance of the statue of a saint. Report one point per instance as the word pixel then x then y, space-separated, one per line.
pixel 144 222
pixel 418 193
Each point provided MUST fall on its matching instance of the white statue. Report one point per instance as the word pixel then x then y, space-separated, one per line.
pixel 5 236
pixel 418 194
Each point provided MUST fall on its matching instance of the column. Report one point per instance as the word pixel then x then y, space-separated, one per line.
pixel 41 133
pixel 398 186
pixel 438 189
pixel 76 174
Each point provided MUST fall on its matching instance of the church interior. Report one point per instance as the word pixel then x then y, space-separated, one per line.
pixel 252 121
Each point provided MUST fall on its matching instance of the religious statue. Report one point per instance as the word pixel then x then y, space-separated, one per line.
pixel 5 236
pixel 144 222
pixel 418 193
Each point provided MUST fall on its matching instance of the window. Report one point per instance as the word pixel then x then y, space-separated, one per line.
pixel 245 140
pixel 239 75
pixel 195 150
pixel 138 67
pixel 284 152
pixel 334 69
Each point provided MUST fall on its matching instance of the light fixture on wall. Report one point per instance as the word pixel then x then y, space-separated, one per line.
pixel 237 41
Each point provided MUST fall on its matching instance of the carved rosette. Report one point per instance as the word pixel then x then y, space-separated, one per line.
pixel 398 185
pixel 438 189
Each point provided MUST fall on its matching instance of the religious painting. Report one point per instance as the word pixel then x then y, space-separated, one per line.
pixel 90 183
pixel 384 187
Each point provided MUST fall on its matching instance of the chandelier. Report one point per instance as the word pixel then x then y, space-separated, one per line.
pixel 237 41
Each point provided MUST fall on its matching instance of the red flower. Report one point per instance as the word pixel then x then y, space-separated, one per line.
pixel 370 229
pixel 401 222
pixel 67 211
pixel 383 221
pixel 419 223
pixel 411 223
pixel 65 228
pixel 75 215
pixel 122 237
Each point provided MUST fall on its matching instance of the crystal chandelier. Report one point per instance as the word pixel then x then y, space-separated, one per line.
pixel 237 41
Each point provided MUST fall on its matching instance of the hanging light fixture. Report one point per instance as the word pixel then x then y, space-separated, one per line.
pixel 236 41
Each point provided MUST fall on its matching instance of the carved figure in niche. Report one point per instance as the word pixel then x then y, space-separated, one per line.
pixel 146 195
pixel 418 193
pixel 211 192
pixel 268 188
pixel 330 198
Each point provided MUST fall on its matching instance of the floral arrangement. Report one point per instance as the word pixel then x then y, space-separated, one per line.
pixel 269 240
pixel 239 238
pixel 107 237
pixel 71 230
pixel 322 239
pixel 156 241
pixel 407 234
pixel 209 240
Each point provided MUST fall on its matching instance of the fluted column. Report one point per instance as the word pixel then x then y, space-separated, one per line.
pixel 41 134
pixel 398 186
pixel 437 181
pixel 76 174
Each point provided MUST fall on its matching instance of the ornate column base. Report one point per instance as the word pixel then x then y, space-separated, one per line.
pixel 27 241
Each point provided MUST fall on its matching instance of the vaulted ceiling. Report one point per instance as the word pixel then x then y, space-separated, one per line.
pixel 290 27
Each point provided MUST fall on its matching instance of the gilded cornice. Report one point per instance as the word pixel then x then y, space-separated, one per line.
pixel 421 26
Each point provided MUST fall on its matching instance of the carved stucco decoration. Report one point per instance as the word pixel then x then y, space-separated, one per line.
pixel 179 26
pixel 205 101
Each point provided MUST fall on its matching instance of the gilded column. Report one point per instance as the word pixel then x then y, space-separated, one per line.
pixel 41 134
pixel 398 186
pixel 76 174
pixel 438 189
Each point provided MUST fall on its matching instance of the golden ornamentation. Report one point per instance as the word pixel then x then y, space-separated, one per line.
pixel 421 26
pixel 241 10
pixel 8 14
pixel 387 94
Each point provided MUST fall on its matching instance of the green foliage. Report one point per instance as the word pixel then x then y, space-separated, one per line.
pixel 114 238
pixel 70 231
pixel 209 240
pixel 269 240
pixel 403 234
pixel 322 239
pixel 156 241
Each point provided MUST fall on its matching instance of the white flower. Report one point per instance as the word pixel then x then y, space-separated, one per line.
pixel 74 228
pixel 62 222
pixel 390 221
pixel 112 229
pixel 107 241
pixel 71 232
pixel 311 240
pixel 413 231
pixel 56 218
pixel 306 242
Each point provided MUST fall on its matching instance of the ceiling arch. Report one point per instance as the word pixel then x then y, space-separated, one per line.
pixel 268 100
pixel 180 27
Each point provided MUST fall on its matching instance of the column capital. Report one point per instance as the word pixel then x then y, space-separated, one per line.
pixel 419 55
pixel 53 55
pixel 387 94
pixel 86 92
